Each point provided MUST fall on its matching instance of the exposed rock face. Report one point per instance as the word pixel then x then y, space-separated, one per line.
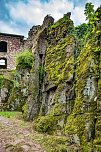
pixel 32 38
pixel 60 93
pixel 19 91
pixel 5 90
pixel 50 87
pixel 48 20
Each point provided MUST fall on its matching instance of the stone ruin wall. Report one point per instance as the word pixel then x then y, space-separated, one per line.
pixel 34 32
pixel 16 44
pixel 13 47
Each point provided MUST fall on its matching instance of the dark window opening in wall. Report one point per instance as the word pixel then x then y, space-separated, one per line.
pixel 3 63
pixel 3 46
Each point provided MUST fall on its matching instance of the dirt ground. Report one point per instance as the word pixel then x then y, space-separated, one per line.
pixel 16 137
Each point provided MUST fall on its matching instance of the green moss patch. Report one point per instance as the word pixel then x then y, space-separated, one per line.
pixel 59 67
pixel 46 123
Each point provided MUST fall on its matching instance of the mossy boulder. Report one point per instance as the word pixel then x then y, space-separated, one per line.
pixel 46 124
pixel 5 90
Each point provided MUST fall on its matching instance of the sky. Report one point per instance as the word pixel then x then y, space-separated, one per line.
pixel 18 16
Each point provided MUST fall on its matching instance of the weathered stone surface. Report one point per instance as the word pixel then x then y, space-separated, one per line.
pixel 5 91
pixel 48 20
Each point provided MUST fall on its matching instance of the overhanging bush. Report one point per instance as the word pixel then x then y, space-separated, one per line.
pixel 24 59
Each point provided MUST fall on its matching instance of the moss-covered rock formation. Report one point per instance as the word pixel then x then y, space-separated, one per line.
pixel 5 89
pixel 58 87
pixel 81 124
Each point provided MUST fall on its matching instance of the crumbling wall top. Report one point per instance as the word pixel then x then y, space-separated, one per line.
pixel 48 20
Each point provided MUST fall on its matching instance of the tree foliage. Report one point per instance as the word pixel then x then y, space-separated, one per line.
pixel 84 31
pixel 89 11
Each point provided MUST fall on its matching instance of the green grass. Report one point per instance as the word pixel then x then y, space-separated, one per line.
pixel 10 114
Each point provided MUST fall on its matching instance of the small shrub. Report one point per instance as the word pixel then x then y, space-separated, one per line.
pixel 24 60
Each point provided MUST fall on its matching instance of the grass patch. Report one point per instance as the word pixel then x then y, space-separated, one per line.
pixel 10 114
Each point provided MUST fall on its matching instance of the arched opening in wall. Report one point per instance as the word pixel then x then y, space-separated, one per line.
pixel 3 63
pixel 3 46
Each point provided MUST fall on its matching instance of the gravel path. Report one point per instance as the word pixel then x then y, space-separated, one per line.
pixel 16 138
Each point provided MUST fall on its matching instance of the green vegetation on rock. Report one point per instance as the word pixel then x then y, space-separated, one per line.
pixel 58 62
pixel 46 124
pixel 24 59
pixel 1 81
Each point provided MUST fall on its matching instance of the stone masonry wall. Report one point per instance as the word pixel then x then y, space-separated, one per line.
pixel 13 47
